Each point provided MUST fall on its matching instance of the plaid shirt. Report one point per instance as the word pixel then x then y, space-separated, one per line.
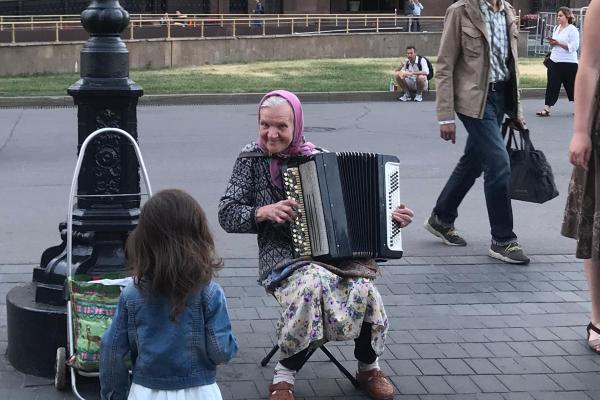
pixel 495 24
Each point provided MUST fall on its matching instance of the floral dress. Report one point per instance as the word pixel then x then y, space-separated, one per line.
pixel 318 305
pixel 582 213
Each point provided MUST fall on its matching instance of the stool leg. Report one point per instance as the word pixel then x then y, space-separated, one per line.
pixel 340 367
pixel 266 360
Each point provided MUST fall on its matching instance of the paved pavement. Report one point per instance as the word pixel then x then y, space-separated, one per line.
pixel 462 326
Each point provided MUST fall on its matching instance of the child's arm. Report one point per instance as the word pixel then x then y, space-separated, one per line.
pixel 221 345
pixel 114 374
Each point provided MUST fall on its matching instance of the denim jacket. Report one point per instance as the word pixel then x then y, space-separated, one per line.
pixel 165 354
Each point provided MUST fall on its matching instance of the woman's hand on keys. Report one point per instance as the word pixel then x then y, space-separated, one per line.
pixel 403 215
pixel 280 212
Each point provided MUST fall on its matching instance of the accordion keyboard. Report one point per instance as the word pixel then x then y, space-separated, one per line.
pixel 392 190
pixel 299 227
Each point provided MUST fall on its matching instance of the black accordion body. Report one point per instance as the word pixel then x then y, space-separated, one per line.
pixel 346 201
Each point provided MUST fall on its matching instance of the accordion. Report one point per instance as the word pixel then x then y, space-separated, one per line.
pixel 346 203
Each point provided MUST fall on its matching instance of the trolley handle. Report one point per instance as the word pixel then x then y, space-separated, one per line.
pixel 82 151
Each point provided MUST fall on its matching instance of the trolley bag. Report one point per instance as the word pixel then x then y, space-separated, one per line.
pixel 531 175
pixel 94 304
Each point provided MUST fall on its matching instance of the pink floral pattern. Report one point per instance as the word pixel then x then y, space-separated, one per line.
pixel 320 306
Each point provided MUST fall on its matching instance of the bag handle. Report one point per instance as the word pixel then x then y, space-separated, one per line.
pixel 525 142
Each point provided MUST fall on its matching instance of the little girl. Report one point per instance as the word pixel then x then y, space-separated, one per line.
pixel 171 326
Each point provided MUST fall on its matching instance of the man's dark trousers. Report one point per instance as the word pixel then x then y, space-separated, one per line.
pixel 485 152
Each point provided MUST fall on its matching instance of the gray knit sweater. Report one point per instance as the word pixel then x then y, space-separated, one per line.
pixel 249 188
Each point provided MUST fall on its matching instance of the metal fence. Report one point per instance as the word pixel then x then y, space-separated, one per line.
pixel 546 22
pixel 64 28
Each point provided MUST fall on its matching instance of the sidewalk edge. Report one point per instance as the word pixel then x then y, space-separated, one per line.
pixel 230 98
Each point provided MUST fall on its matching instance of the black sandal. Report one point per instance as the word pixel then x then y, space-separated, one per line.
pixel 593 344
pixel 543 113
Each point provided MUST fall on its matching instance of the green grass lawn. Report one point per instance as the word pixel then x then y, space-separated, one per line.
pixel 323 75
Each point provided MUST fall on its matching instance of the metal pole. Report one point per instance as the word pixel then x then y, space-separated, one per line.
pixel 202 28
pixel 13 34
pixel 56 39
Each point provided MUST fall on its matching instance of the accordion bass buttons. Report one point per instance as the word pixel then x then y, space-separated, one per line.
pixel 298 227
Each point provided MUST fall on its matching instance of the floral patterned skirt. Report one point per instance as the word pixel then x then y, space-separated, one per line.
pixel 582 212
pixel 320 306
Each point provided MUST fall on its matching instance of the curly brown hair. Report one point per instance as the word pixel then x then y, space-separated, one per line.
pixel 567 13
pixel 171 252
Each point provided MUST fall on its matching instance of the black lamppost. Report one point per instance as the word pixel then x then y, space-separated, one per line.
pixel 105 97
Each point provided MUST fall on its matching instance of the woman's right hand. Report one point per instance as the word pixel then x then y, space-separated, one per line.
pixel 580 149
pixel 280 212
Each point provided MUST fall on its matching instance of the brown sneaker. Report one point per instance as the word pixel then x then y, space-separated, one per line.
pixel 376 384
pixel 281 391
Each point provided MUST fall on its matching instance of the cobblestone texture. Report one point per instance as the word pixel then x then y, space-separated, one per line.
pixel 460 328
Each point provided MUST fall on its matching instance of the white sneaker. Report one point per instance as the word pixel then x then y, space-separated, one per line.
pixel 405 97
pixel 419 97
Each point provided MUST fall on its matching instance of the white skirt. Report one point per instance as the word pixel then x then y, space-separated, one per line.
pixel 205 392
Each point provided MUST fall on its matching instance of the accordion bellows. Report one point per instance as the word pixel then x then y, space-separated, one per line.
pixel 346 201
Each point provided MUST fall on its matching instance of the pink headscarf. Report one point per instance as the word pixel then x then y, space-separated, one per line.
pixel 298 146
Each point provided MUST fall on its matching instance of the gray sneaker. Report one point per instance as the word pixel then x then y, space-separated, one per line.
pixel 447 233
pixel 511 253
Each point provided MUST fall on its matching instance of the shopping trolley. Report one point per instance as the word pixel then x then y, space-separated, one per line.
pixel 92 300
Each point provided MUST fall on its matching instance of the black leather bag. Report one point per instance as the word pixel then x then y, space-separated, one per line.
pixel 546 61
pixel 531 175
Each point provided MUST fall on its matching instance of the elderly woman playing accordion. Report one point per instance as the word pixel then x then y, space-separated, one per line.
pixel 321 302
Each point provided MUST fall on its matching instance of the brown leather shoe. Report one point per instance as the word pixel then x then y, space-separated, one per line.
pixel 281 391
pixel 376 384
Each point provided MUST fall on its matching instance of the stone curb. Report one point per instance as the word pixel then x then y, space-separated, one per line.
pixel 230 98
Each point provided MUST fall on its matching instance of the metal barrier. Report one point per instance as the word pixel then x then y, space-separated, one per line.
pixel 538 45
pixel 64 28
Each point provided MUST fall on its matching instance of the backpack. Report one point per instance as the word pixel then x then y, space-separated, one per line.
pixel 418 61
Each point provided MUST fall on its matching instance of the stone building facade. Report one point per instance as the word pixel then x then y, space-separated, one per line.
pixel 432 7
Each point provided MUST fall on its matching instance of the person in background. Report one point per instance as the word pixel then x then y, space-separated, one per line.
pixel 412 75
pixel 582 213
pixel 562 64
pixel 171 321
pixel 258 10
pixel 417 8
pixel 180 19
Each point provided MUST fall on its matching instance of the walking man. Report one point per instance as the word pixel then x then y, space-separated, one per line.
pixel 477 78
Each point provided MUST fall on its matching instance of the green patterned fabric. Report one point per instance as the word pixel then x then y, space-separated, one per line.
pixel 93 306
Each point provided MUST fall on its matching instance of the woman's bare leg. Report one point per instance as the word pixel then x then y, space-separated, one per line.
pixel 592 270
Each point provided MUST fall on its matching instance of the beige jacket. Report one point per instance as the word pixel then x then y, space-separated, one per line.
pixel 463 63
